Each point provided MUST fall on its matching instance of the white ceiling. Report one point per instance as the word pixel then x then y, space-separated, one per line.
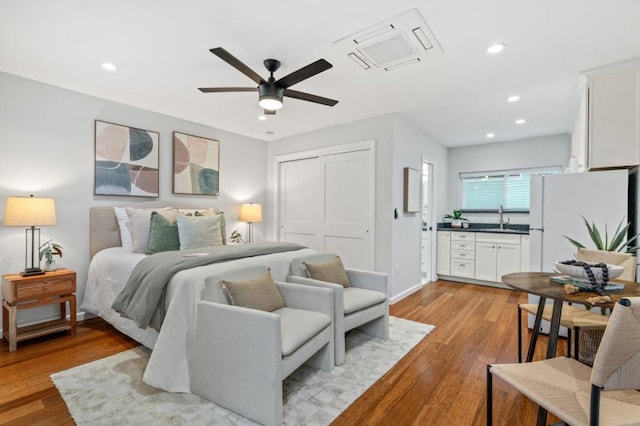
pixel 161 49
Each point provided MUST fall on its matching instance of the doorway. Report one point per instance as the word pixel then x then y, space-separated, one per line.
pixel 427 220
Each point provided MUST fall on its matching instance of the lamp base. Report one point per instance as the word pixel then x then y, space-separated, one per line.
pixel 31 271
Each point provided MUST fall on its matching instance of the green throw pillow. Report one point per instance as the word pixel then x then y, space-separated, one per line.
pixel 163 234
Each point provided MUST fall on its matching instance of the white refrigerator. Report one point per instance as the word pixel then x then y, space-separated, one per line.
pixel 558 203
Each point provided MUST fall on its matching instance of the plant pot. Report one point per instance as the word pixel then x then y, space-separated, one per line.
pixel 456 223
pixel 49 266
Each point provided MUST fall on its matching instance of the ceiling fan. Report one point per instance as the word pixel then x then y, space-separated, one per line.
pixel 271 91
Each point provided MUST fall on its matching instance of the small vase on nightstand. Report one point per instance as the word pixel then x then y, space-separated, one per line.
pixel 49 266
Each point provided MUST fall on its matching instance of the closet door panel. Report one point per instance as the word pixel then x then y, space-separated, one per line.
pixel 300 203
pixel 348 207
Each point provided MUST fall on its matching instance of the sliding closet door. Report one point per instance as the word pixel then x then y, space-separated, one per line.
pixel 300 186
pixel 327 204
pixel 347 210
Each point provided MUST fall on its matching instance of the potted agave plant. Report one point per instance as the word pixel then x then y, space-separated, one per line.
pixel 618 241
pixel 47 251
pixel 456 218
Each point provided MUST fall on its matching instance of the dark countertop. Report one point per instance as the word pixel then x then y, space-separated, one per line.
pixel 486 227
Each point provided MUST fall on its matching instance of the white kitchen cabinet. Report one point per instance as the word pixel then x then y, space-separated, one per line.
pixel 482 256
pixel 463 254
pixel 496 255
pixel 580 131
pixel 614 120
pixel 486 261
pixel 507 260
pixel 443 266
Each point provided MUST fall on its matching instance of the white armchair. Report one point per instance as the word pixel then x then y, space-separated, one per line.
pixel 363 305
pixel 242 355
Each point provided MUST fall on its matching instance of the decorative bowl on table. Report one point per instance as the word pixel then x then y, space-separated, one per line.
pixel 579 273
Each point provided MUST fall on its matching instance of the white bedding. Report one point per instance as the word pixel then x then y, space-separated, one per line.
pixel 168 366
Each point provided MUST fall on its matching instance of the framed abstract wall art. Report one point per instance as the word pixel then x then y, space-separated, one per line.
pixel 196 165
pixel 126 161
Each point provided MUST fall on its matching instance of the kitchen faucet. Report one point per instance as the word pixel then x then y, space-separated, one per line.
pixel 501 213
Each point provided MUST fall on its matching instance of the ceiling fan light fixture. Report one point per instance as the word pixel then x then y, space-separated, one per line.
pixel 270 97
pixel 271 103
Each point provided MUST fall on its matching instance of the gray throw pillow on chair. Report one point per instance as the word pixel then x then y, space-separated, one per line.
pixel 331 271
pixel 259 292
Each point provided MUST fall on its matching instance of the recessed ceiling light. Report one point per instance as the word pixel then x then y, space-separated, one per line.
pixel 262 118
pixel 496 48
pixel 109 66
pixel 514 98
pixel 491 135
pixel 521 121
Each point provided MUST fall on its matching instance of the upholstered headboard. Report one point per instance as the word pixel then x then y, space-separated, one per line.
pixel 105 231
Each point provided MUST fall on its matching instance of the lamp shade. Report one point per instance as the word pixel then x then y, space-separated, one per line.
pixel 29 211
pixel 251 213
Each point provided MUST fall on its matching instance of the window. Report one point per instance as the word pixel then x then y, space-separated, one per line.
pixel 506 188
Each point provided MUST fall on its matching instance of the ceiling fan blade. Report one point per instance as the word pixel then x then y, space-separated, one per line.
pixel 227 89
pixel 303 73
pixel 309 97
pixel 269 112
pixel 237 64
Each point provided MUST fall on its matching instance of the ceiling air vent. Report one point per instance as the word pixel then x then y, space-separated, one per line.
pixel 402 40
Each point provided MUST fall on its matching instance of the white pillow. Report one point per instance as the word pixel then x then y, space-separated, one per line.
pixel 140 221
pixel 199 231
pixel 125 227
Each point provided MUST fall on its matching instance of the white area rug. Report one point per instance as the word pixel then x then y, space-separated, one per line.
pixel 110 391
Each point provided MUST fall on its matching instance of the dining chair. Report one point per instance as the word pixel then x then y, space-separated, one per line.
pixel 576 319
pixel 576 393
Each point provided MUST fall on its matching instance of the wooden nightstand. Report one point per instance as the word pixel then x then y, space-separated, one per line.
pixel 19 292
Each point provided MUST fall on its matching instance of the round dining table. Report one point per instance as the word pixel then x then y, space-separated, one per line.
pixel 538 283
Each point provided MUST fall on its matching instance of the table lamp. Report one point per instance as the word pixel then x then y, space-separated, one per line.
pixel 30 212
pixel 250 213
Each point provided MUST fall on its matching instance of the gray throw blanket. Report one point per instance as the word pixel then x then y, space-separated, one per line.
pixel 142 298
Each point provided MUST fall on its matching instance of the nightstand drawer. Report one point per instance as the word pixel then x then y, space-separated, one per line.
pixel 55 283
pixel 50 287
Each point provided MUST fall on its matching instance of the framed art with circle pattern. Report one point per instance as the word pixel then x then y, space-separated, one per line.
pixel 196 165
pixel 126 160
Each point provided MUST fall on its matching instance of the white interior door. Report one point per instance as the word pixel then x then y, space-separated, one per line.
pixel 327 204
pixel 300 204
pixel 347 213
pixel 427 218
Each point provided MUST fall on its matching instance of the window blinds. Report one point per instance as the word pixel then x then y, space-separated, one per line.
pixel 507 188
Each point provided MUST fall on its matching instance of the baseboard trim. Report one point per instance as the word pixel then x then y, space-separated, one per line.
pixel 405 293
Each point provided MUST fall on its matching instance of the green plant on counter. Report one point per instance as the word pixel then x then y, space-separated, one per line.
pixel 457 215
pixel 617 243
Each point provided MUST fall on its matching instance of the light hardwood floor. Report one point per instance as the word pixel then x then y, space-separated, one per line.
pixel 440 382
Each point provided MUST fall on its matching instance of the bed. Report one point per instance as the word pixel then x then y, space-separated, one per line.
pixel 111 265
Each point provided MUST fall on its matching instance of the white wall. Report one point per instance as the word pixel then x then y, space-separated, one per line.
pixel 409 146
pixel 394 137
pixel 47 149
pixel 525 153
